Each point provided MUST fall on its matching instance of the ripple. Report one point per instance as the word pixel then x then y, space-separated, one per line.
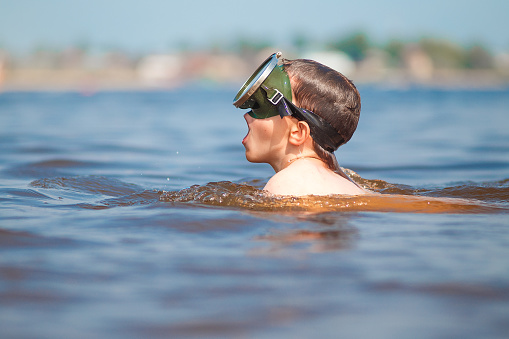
pixel 490 191
pixel 49 168
pixel 136 199
pixel 88 184
pixel 16 239
pixel 488 197
pixel 449 289
pixel 228 194
pixel 24 193
pixel 480 165
pixel 62 163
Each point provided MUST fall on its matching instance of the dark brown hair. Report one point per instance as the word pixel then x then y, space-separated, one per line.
pixel 326 93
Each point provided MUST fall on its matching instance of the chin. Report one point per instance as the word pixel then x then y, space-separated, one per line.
pixel 251 158
pixel 248 158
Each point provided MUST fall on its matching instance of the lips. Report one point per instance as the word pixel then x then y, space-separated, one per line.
pixel 244 140
pixel 248 129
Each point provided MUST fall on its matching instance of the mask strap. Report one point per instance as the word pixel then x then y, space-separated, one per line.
pixel 321 131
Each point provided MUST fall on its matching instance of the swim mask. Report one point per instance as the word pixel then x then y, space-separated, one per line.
pixel 268 93
pixel 264 89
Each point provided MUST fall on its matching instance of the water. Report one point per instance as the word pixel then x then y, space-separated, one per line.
pixel 135 214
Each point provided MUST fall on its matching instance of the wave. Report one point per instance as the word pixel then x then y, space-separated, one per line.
pixel 245 196
pixel 88 184
pixel 86 191
pixel 89 192
pixel 491 191
pixel 49 168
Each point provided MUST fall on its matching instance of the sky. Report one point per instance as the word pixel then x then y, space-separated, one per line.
pixel 160 25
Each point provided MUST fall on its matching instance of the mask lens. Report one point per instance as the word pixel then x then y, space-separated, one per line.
pixel 264 90
pixel 257 78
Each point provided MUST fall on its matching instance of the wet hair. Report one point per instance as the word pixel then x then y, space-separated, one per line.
pixel 326 93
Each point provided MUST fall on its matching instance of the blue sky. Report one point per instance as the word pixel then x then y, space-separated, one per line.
pixel 155 25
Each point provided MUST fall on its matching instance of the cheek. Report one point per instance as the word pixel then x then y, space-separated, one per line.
pixel 280 130
pixel 262 130
pixel 268 134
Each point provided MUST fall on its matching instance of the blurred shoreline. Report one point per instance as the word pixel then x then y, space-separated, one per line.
pixel 129 80
pixel 77 71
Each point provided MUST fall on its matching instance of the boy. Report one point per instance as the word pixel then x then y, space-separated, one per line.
pixel 301 112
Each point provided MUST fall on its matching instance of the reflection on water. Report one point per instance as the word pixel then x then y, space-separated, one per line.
pixel 339 236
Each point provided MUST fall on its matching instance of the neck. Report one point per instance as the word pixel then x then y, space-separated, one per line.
pixel 288 162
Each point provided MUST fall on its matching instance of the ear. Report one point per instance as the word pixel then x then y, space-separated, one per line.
pixel 299 133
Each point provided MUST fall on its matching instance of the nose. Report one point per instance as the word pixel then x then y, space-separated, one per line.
pixel 248 117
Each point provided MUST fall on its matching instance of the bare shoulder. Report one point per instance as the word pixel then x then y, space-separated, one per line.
pixel 307 178
pixel 285 182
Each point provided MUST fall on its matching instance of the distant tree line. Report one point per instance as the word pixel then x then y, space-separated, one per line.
pixel 443 53
pixel 358 46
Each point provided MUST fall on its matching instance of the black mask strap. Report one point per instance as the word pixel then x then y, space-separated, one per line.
pixel 321 131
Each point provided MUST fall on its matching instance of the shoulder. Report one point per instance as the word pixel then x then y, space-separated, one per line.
pixel 285 182
pixel 306 178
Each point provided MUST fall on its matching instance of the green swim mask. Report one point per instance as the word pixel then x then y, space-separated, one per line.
pixel 264 89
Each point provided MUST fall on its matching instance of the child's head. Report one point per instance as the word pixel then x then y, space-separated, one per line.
pixel 321 97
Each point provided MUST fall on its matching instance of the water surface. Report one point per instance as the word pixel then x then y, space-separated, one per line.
pixel 135 214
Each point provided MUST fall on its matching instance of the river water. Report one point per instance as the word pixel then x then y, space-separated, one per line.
pixel 135 214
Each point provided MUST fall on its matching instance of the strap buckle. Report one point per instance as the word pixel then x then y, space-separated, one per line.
pixel 273 95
